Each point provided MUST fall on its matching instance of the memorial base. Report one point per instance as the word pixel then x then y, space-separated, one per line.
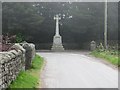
pixel 57 44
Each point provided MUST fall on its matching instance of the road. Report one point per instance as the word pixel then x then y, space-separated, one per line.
pixel 76 70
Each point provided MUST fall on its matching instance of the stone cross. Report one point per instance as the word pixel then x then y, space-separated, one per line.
pixel 57 39
pixel 57 18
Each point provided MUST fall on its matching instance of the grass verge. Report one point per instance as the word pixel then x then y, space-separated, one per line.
pixel 29 78
pixel 107 56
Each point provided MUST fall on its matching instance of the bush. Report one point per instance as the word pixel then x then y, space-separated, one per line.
pixel 19 38
pixel 100 48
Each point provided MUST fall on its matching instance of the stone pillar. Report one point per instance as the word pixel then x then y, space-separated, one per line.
pixel 28 56
pixel 92 45
pixel 33 50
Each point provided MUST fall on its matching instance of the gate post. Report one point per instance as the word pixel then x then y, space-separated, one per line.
pixel 92 45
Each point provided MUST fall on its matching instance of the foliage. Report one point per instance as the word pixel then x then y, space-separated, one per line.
pixel 29 78
pixel 100 47
pixel 20 18
pixel 107 55
pixel 7 41
pixel 19 38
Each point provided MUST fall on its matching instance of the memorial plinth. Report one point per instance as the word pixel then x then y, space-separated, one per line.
pixel 57 39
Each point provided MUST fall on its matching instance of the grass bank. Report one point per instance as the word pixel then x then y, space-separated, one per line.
pixel 108 56
pixel 29 78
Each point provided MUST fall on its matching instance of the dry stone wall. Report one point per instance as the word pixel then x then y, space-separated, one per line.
pixel 12 62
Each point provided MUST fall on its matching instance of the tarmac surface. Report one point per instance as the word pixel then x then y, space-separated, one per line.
pixel 76 70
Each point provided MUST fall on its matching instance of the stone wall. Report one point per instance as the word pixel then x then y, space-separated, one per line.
pixel 12 62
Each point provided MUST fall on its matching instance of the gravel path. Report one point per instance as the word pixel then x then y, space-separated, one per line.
pixel 76 70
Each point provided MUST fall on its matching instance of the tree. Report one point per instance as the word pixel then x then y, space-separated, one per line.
pixel 20 18
pixel 81 22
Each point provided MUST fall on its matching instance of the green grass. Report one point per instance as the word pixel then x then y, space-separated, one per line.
pixel 106 55
pixel 29 78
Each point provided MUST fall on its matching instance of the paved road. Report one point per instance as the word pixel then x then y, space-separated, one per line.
pixel 72 70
